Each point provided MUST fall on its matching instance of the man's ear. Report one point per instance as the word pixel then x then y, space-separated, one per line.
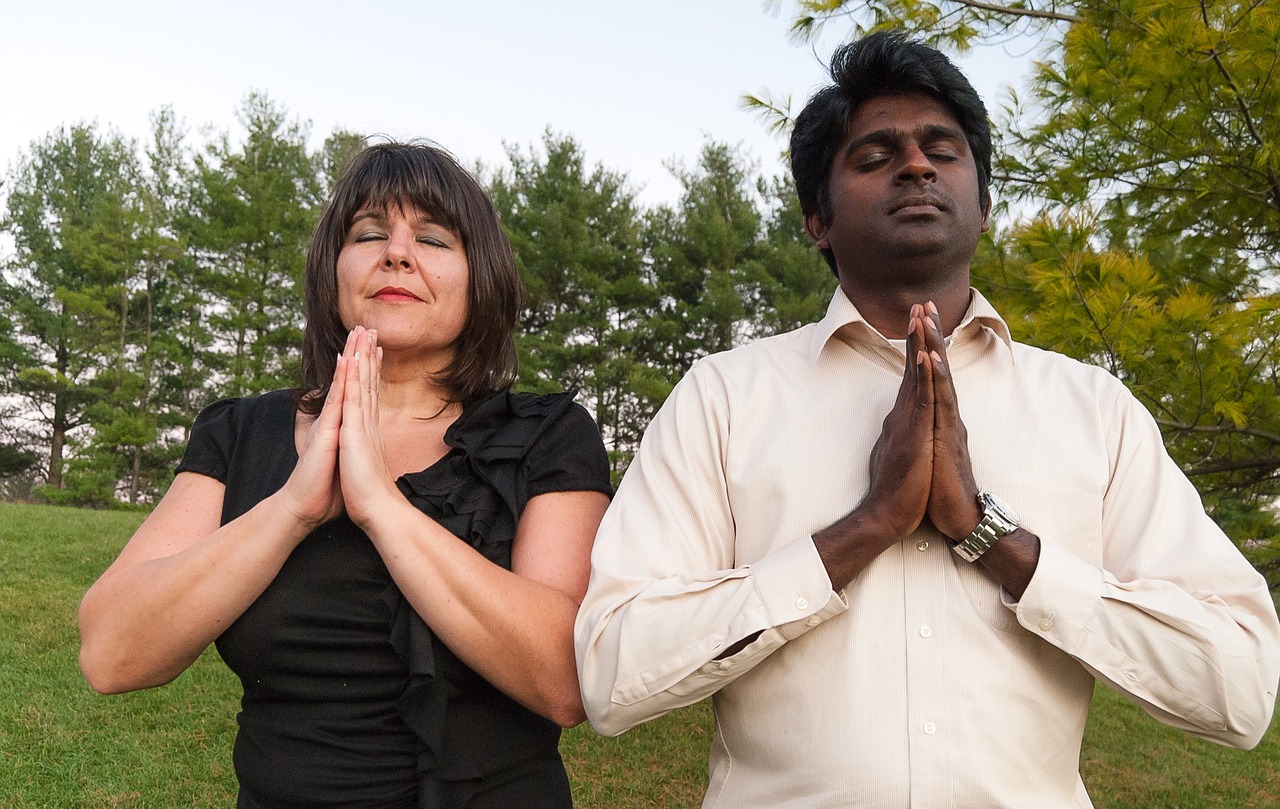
pixel 986 212
pixel 818 231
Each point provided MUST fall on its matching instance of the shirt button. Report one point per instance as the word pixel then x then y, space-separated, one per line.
pixel 1046 624
pixel 802 604
pixel 922 545
pixel 813 620
pixel 926 632
pixel 930 728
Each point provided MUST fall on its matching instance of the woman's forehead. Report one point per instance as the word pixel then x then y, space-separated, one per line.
pixel 414 211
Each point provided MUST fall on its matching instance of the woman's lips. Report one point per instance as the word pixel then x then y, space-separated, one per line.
pixel 395 294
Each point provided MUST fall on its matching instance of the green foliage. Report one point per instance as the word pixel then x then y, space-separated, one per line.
pixel 72 212
pixel 576 233
pixel 146 281
pixel 339 148
pixel 1160 122
pixel 15 461
pixel 253 209
pixel 705 262
pixel 798 283
pixel 620 302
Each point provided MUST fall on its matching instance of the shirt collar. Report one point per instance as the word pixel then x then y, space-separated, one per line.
pixel 844 318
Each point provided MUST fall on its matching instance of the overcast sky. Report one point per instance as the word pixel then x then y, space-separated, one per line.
pixel 636 83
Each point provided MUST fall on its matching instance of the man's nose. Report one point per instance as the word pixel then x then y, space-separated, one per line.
pixel 916 166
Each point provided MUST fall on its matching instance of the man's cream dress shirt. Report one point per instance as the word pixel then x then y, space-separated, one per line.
pixel 920 684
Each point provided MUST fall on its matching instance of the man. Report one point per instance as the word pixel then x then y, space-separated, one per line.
pixel 911 609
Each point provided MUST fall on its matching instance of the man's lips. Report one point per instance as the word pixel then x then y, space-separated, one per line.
pixel 918 204
pixel 395 294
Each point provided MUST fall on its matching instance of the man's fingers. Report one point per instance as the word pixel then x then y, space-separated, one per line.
pixel 932 331
pixel 944 391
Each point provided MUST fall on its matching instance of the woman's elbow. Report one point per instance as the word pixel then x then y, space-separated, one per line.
pixel 568 714
pixel 100 675
pixel 109 672
pixel 561 702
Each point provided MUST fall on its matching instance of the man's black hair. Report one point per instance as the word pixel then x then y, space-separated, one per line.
pixel 880 64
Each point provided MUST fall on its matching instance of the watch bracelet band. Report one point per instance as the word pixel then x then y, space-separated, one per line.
pixel 998 520
pixel 980 541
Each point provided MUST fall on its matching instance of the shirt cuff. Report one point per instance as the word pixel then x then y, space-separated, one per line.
pixel 795 590
pixel 1061 597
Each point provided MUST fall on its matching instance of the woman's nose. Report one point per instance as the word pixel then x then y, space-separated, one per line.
pixel 398 250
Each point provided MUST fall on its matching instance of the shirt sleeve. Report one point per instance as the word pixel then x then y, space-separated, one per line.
pixel 208 449
pixel 1175 617
pixel 667 594
pixel 568 456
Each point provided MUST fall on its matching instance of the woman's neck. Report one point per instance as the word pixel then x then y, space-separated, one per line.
pixel 411 390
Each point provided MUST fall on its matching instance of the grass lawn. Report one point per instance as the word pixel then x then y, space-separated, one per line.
pixel 63 746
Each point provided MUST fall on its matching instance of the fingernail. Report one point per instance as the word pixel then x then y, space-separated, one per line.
pixel 936 357
pixel 933 310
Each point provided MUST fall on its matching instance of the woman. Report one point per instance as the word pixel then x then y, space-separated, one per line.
pixel 314 534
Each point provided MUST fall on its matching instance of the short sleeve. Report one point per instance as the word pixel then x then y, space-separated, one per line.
pixel 568 456
pixel 208 450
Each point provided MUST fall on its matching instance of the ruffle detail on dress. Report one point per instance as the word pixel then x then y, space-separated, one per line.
pixel 425 699
pixel 474 492
pixel 471 513
pixel 489 442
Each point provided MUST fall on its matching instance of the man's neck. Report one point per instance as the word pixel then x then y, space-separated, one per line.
pixel 888 308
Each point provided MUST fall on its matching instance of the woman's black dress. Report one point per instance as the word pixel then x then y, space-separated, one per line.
pixel 349 698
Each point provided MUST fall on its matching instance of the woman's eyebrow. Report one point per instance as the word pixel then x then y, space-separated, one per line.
pixel 368 213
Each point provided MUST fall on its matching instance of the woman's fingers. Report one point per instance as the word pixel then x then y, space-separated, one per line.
pixel 365 478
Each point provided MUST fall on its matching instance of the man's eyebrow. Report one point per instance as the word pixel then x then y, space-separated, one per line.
pixel 890 135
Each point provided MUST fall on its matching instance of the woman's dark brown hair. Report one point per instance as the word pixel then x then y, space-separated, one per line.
pixel 424 177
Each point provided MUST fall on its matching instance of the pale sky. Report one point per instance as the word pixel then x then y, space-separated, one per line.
pixel 638 84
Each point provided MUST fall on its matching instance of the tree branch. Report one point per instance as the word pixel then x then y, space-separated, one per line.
pixel 1019 12
pixel 1182 427
pixel 1267 465
pixel 1245 111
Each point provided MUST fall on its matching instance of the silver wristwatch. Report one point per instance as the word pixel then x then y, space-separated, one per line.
pixel 998 520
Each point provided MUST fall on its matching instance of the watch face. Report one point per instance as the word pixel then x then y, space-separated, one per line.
pixel 1000 511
